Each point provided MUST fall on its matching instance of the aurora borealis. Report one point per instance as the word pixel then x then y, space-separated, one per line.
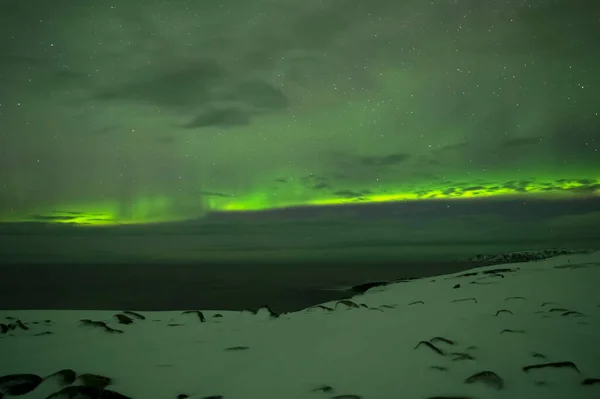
pixel 147 112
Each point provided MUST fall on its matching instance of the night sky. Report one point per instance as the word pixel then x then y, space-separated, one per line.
pixel 369 121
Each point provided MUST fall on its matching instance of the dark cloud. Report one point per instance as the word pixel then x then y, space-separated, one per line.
pixel 259 95
pixel 215 194
pixel 590 188
pixel 202 87
pixel 68 212
pixel 520 186
pixel 54 218
pixel 322 186
pixel 187 86
pixel 385 160
pixel 348 194
pixel 451 147
pixel 474 188
pixel 449 191
pixel 225 117
pixel 313 179
pixel 585 181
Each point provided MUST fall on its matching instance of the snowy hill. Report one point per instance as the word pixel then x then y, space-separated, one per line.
pixel 525 256
pixel 528 330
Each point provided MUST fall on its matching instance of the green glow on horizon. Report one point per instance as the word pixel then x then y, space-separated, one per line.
pixel 157 209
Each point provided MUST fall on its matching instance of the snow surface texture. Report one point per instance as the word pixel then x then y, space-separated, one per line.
pixel 527 330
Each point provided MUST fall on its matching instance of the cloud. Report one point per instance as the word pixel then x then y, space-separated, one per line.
pixel 216 194
pixel 225 117
pixel 54 218
pixel 184 87
pixel 204 87
pixel 322 186
pixel 348 194
pixel 384 160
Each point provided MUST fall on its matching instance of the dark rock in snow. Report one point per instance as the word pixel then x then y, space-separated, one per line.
pixel 513 298
pixel 64 377
pixel 488 378
pixel 508 330
pixel 214 397
pixel 327 308
pixel 558 310
pixel 77 392
pixel 86 392
pixel 19 384
pixel 439 368
pixel 417 303
pixel 198 313
pixel 95 380
pixel 362 288
pixel 123 319
pixel 569 365
pixel 348 303
pixel 572 313
pixel 268 310
pixel 503 311
pixel 134 315
pixel 591 381
pixel 101 325
pixel 217 315
pixel 442 339
pixel 323 388
pixel 109 394
pixel 464 300
pixel 21 325
pixel 432 347
pixel 182 396
pixel 237 348
pixel 456 286
pixel 458 356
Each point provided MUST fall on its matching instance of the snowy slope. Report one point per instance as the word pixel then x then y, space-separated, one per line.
pixel 425 338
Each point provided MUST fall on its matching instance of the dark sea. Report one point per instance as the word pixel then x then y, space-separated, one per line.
pixel 233 286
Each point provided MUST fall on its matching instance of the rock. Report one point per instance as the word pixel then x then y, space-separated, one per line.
pixel 19 384
pixel 362 288
pixel 488 378
pixel 64 377
pixel 95 380
pixel 77 392
pixel 123 319
pixel 134 315
pixel 198 313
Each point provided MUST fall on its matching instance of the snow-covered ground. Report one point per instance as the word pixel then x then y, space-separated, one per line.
pixel 527 330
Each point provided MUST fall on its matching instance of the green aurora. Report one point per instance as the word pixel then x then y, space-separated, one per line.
pixel 161 209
